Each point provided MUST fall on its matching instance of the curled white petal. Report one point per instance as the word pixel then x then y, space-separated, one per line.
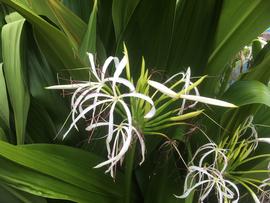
pixel 152 111
pixel 123 81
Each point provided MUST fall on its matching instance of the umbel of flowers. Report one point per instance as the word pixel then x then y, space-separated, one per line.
pixel 128 111
pixel 106 93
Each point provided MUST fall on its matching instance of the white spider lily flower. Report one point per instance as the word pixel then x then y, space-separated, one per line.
pixel 167 91
pixel 92 99
pixel 207 179
pixel 110 102
pixel 209 176
pixel 211 150
pixel 123 132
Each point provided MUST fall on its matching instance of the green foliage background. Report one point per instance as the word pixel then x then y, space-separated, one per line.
pixel 44 38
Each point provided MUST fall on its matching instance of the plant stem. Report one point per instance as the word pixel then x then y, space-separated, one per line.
pixel 129 174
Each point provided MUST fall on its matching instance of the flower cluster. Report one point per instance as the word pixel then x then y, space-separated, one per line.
pixel 208 176
pixel 92 99
pixel 112 96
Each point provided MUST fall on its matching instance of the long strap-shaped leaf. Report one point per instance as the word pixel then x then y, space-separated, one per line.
pixel 12 35
pixel 240 22
pixel 58 47
pixel 248 92
pixel 4 107
pixel 58 172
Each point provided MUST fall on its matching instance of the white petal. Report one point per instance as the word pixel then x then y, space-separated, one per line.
pixel 152 112
pixel 111 124
pixel 189 190
pixel 162 88
pixel 105 67
pixel 175 75
pixel 92 96
pixel 76 101
pixel 92 65
pixel 73 107
pixel 67 87
pixel 142 144
pixel 95 125
pixel 120 67
pixel 207 100
pixel 236 189
pixel 127 142
pixel 81 115
pixel 264 139
pixel 123 81
pixel 94 101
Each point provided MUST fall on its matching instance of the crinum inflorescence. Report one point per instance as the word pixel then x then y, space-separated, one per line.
pixel 114 95
pixel 208 176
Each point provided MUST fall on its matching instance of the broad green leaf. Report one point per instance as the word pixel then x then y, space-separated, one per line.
pixel 14 67
pixel 72 25
pixel 4 107
pixel 240 22
pixel 35 168
pixel 81 8
pixel 8 194
pixel 122 12
pixel 261 70
pixel 55 44
pixel 194 28
pixel 105 28
pixel 2 23
pixel 262 117
pixel 89 40
pixel 41 8
pixel 41 76
pixel 149 33
pixel 39 184
pixel 248 92
pixel 163 180
pixel 249 95
pixel 2 135
pixel 41 128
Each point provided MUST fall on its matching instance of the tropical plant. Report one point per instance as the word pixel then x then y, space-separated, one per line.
pixel 164 138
